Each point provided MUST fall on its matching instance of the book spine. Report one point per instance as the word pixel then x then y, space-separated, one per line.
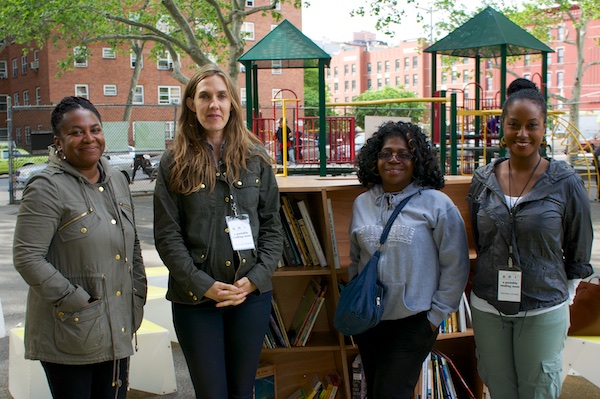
pixel 293 228
pixel 334 246
pixel 312 232
pixel 309 244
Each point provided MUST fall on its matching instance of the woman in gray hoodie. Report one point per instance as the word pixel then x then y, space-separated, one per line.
pixel 424 263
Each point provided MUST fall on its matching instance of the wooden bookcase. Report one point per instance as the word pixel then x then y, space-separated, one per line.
pixel 327 350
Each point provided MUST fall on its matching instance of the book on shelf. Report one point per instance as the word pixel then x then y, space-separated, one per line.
pixel 359 382
pixel 290 252
pixel 295 229
pixel 332 382
pixel 311 317
pixel 311 294
pixel 265 384
pixel 314 260
pixel 279 321
pixel 312 387
pixel 462 388
pixel 314 238
pixel 297 394
pixel 334 246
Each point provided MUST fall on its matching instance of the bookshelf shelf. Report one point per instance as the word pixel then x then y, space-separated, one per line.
pixel 326 350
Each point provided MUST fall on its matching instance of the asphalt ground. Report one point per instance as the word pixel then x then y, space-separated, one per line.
pixel 13 292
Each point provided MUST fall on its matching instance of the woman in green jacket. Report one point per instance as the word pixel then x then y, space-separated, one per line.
pixel 217 229
pixel 76 246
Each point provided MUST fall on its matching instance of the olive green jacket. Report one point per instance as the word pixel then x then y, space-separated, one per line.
pixel 74 242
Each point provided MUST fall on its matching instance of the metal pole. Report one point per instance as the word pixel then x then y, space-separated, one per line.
pixel 9 126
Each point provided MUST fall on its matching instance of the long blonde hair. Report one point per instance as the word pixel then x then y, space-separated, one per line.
pixel 192 165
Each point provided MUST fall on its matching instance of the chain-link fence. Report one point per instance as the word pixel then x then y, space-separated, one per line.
pixel 136 136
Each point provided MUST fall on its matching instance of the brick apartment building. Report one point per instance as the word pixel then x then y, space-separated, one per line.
pixel 30 78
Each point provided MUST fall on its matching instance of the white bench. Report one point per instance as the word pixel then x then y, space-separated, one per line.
pixel 158 310
pixel 152 369
pixel 581 355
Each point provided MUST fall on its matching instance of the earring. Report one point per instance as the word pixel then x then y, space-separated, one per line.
pixel 58 152
pixel 544 143
pixel 502 142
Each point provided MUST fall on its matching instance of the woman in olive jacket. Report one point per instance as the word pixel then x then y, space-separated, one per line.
pixel 218 231
pixel 76 246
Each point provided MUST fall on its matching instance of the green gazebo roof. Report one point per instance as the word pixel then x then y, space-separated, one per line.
pixel 287 44
pixel 485 34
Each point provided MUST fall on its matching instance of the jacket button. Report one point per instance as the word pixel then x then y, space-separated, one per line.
pixel 218 174
pixel 76 319
pixel 113 221
pixel 118 257
pixel 226 230
pixel 195 298
pixel 239 183
pixel 123 329
pixel 101 189
pixel 61 314
pixel 244 261
pixel 190 293
pixel 202 256
pixel 257 181
pixel 118 293
pixel 226 199
pixel 83 230
pixel 203 185
pixel 227 263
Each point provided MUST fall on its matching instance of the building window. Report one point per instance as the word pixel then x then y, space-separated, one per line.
pixel 387 66
pixel 133 60
pixel 444 78
pixel 527 76
pixel 80 57
pixel 397 81
pixel 465 76
pixel 387 81
pixel 16 100
pixel 368 68
pixel 378 66
pixel 169 95
pixel 243 96
pixel 346 86
pixel 82 91
pixel 454 77
pixel 164 62
pixel 346 70
pixel 489 64
pixel 406 62
pixel 354 86
pixel 415 80
pixel 276 67
pixel 549 58
pixel 488 83
pixel 23 64
pixel 3 70
pixel 353 69
pixel 406 81
pixel 415 62
pixel 38 96
pixel 108 52
pixel 110 90
pixel 560 33
pixel 28 135
pixel 25 97
pixel 15 70
pixel 336 87
pixel 465 60
pixel 248 30
pixel 527 59
pixel 379 83
pixel 560 79
pixel 138 95
pixel 369 84
pixel 335 72
pixel 397 65
pixel 549 79
pixel 249 3
pixel 169 130
pixel 3 102
pixel 36 56
pixel 277 94
pixel 560 55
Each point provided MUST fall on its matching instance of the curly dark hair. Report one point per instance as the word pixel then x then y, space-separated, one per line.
pixel 524 89
pixel 67 105
pixel 426 171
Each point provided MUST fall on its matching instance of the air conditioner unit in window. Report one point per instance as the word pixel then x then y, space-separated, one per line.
pixel 175 101
pixel 35 65
pixel 170 64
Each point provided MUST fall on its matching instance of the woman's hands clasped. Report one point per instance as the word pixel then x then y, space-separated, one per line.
pixel 230 294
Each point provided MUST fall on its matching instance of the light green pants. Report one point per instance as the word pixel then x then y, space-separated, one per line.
pixel 520 357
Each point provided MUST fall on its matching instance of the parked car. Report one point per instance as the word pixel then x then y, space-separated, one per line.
pixel 122 162
pixel 589 141
pixel 21 157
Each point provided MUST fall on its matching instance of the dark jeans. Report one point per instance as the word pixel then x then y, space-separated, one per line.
pixel 88 381
pixel 392 354
pixel 222 345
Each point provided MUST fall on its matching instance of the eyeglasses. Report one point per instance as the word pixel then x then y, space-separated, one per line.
pixel 400 156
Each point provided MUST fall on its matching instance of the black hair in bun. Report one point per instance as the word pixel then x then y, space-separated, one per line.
pixel 524 89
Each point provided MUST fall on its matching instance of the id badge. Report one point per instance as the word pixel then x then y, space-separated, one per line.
pixel 509 285
pixel 240 232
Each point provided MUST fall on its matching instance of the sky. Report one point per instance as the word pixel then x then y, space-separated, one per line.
pixel 331 19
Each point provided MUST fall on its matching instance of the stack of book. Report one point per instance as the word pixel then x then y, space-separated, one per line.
pixel 317 389
pixel 440 379
pixel 307 312
pixel 301 244
pixel 458 321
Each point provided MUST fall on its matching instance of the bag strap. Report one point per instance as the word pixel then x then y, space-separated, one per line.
pixel 388 226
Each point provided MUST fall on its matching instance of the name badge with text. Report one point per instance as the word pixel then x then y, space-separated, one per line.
pixel 240 232
pixel 509 285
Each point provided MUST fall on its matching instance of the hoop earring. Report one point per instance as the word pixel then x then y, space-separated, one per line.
pixel 58 152
pixel 502 142
pixel 544 143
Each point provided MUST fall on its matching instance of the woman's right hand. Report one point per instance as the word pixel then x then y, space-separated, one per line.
pixel 226 294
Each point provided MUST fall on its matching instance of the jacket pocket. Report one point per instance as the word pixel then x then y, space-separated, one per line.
pixel 82 332
pixel 138 311
pixel 247 191
pixel 79 226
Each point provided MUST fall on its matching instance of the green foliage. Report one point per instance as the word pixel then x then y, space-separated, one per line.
pixel 414 110
pixel 311 93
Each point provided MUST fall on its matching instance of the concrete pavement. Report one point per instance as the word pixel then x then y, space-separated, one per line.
pixel 13 295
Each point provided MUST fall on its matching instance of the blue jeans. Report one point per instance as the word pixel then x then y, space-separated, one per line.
pixel 87 381
pixel 521 357
pixel 392 354
pixel 222 346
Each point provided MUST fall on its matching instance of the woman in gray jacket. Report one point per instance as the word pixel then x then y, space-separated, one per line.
pixel 76 246
pixel 217 229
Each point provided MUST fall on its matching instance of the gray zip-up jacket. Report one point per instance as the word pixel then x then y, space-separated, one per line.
pixel 191 236
pixel 424 263
pixel 75 241
pixel 551 234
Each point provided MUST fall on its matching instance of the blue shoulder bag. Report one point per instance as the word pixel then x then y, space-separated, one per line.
pixel 361 301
